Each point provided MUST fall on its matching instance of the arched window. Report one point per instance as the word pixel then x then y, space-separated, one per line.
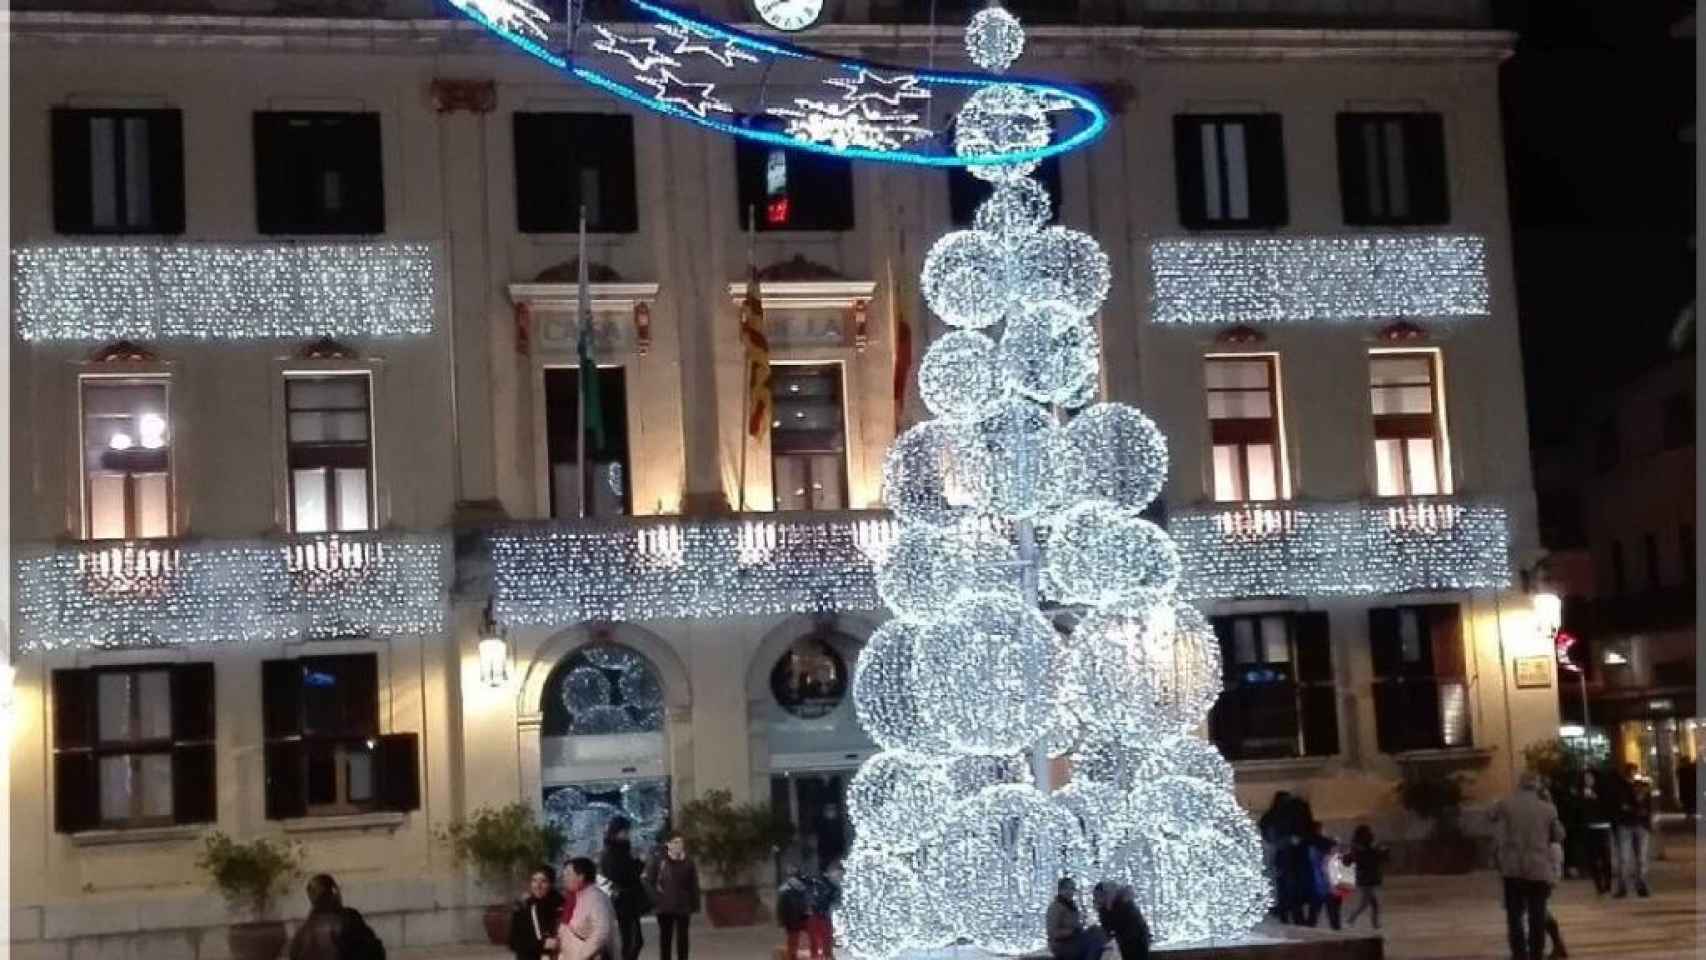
pixel 810 678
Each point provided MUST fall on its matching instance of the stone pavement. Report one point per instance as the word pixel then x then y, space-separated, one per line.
pixel 1425 918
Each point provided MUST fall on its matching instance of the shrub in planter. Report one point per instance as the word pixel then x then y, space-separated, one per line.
pixel 729 839
pixel 502 844
pixel 1437 797
pixel 251 877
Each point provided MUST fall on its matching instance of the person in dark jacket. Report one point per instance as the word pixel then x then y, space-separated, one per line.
pixel 332 931
pixel 1369 860
pixel 674 884
pixel 619 865
pixel 1067 937
pixel 533 924
pixel 1596 829
pixel 1119 917
pixel 793 909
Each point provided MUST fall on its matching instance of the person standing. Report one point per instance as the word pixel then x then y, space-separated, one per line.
pixel 1369 860
pixel 825 892
pixel 673 880
pixel 1525 826
pixel 332 931
pixel 793 909
pixel 1633 826
pixel 533 924
pixel 591 932
pixel 1067 937
pixel 1596 826
pixel 628 895
pixel 1118 916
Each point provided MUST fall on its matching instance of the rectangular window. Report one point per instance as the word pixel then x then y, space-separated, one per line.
pixel 1230 170
pixel 1421 691
pixel 1244 427
pixel 1409 424
pixel 1279 697
pixel 808 437
pixel 127 458
pixel 1392 169
pixel 606 485
pixel 133 746
pixel 792 189
pixel 324 753
pixel 329 426
pixel 966 192
pixel 1678 421
pixel 118 171
pixel 319 173
pixel 566 160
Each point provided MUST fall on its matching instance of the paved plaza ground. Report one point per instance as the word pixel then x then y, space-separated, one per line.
pixel 1426 918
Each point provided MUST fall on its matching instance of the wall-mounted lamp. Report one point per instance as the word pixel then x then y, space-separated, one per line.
pixel 494 652
pixel 1548 614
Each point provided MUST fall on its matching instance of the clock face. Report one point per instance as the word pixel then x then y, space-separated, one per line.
pixel 789 14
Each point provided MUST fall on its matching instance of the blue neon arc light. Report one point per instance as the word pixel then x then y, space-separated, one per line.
pixel 1080 119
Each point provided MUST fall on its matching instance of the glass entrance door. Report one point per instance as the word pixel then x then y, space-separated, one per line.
pixel 816 803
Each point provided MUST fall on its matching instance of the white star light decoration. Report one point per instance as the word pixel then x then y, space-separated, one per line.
pixel 868 85
pixel 640 52
pixel 689 41
pixel 665 87
pixel 844 125
pixel 515 16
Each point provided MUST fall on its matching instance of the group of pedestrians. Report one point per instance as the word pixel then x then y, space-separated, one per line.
pixel 1608 818
pixel 584 922
pixel 1313 873
pixel 1117 918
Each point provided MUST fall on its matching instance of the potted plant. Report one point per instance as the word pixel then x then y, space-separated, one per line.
pixel 1437 798
pixel 251 877
pixel 729 839
pixel 502 844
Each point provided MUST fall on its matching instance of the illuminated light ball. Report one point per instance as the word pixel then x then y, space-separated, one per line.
pixel 924 571
pixel 1045 365
pixel 1104 817
pixel 882 909
pixel 1128 450
pixel 1003 852
pixel 585 687
pixel 1100 553
pixel 997 120
pixel 967 279
pixel 1088 392
pixel 1197 837
pixel 1034 466
pixel 969 774
pixel 883 696
pixel 985 674
pixel 937 473
pixel 961 378
pixel 1055 317
pixel 994 39
pixel 1183 755
pixel 1145 677
pixel 994 559
pixel 1014 207
pixel 1063 266
pixel 896 799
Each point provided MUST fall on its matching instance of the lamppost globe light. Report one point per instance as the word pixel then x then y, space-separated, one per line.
pixel 1548 613
pixel 494 660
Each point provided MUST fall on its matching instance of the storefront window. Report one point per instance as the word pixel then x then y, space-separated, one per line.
pixel 810 680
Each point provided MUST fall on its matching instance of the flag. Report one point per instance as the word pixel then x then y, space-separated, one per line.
pixel 757 357
pixel 902 350
pixel 592 413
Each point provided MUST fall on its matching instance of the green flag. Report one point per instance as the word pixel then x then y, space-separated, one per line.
pixel 592 412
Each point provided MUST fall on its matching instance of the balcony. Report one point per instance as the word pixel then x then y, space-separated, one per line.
pixel 107 595
pixel 556 574
pixel 1297 549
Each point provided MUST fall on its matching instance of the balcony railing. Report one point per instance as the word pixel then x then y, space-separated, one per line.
pixel 668 567
pixel 1342 549
pixel 116 594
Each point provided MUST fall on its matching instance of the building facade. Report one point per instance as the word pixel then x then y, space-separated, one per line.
pixel 298 430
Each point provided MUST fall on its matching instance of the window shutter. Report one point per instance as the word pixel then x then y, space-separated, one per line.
pixel 1317 698
pixel 359 149
pixel 166 169
pixel 615 149
pixel 195 788
pixel 1187 171
pixel 1424 146
pixel 1383 641
pixel 274 192
pixel 1226 727
pixel 73 709
pixel 76 792
pixel 1353 174
pixel 397 772
pixel 192 703
pixel 286 793
pixel 1268 206
pixel 538 205
pixel 359 676
pixel 70 138
pixel 281 699
pixel 1445 636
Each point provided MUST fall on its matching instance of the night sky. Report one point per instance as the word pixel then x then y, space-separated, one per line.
pixel 1602 192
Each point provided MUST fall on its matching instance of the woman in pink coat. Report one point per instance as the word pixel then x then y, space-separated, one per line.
pixel 590 931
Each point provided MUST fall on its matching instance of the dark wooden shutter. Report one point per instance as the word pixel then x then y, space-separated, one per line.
pixel 193 710
pixel 538 200
pixel 396 764
pixel 73 709
pixel 275 194
pixel 69 133
pixel 195 791
pixel 76 780
pixel 1265 142
pixel 1445 639
pixel 1383 641
pixel 1353 172
pixel 1318 698
pixel 1388 690
pixel 615 148
pixel 1187 171
pixel 1424 162
pixel 1226 726
pixel 281 699
pixel 166 169
pixel 358 149
pixel 359 677
pixel 286 791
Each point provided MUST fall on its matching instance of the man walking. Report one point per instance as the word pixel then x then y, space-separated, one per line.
pixel 1525 826
pixel 1633 826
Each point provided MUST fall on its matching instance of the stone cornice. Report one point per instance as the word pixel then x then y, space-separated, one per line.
pixel 878 41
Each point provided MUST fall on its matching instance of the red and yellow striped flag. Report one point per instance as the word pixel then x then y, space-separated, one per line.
pixel 757 358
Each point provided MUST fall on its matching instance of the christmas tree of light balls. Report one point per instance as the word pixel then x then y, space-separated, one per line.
pixel 1017 519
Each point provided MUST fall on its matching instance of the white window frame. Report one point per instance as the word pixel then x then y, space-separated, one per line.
pixel 1442 438
pixel 378 489
pixel 1283 485
pixel 126 372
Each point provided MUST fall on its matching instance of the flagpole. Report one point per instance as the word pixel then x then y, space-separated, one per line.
pixel 746 389
pixel 583 318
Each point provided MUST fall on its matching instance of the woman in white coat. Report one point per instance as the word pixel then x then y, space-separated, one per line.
pixel 590 932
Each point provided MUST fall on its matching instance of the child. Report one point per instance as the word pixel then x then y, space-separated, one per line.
pixel 1367 857
pixel 1323 854
pixel 793 911
pixel 825 893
